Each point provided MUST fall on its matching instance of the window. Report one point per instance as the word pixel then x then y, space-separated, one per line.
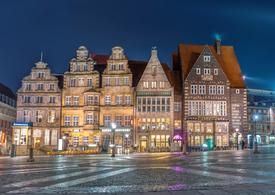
pixel 77 68
pixel 220 90
pixel 40 86
pixel 212 89
pixel 27 99
pixel 23 140
pixel 89 81
pixel 51 117
pixel 89 119
pixel 149 101
pixel 76 100
pixel 107 120
pixel 193 89
pixel 224 142
pixel 139 101
pixel 47 137
pixel 119 120
pixel 96 100
pixel 197 140
pixel 95 119
pixel 67 120
pixel 72 82
pixel 85 67
pixel 154 70
pixel 38 116
pixel 107 100
pixel 153 101
pixel 158 101
pixel 167 108
pixel 198 71
pixel 81 82
pixel 154 85
pixel 127 120
pixel 219 140
pixel 125 81
pixel 90 99
pixel 76 141
pixel 68 100
pixel 215 71
pixel 191 108
pixel 201 89
pixel 207 108
pixel 75 120
pixel 40 75
pixel 139 108
pixel 28 86
pixel 127 100
pixel 85 140
pixel 120 66
pixel 108 81
pixel 96 139
pixel 209 127
pixel 52 99
pixel 116 81
pixel 113 67
pixel 168 101
pixel 145 85
pixel 223 108
pixel 119 100
pixel 143 108
pixel 162 108
pixel 177 106
pixel 206 71
pixel 161 84
pixel 216 108
pixel 190 126
pixel 54 138
pixel 163 101
pixel 237 91
pixel 39 99
pixel 148 108
pixel 206 58
pixel 51 86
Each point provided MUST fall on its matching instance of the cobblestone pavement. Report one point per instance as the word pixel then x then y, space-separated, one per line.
pixel 213 172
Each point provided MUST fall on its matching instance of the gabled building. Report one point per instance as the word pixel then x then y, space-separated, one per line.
pixel 38 111
pixel 80 102
pixel 154 109
pixel 214 93
pixel 7 117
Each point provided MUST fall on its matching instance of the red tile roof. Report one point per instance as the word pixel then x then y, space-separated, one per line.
pixel 7 92
pixel 227 60
pixel 174 79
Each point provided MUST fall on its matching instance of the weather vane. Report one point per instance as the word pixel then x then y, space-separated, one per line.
pixel 154 48
pixel 41 56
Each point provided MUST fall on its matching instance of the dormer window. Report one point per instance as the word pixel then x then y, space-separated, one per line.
pixel 206 71
pixel 206 58
pixel 77 68
pixel 113 67
pixel 40 75
pixel 154 70
pixel 85 67
pixel 120 66
pixel 198 71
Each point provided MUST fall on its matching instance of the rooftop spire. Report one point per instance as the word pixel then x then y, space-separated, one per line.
pixel 41 56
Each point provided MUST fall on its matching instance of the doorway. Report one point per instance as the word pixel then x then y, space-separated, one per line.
pixel 106 142
pixel 37 142
pixel 178 141
pixel 143 144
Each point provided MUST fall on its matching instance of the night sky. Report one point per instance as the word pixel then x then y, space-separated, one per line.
pixel 59 27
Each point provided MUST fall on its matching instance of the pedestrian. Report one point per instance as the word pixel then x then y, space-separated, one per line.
pixel 243 144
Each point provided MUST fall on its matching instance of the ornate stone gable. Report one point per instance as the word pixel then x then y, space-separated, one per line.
pixel 153 73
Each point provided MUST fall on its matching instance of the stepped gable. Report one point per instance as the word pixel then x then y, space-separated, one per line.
pixel 227 60
pixel 7 92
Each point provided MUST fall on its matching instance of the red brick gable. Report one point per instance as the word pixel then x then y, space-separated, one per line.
pixel 227 60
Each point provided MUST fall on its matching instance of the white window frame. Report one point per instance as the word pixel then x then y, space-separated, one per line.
pixel 207 71
pixel 67 120
pixel 120 66
pixel 116 81
pixel 127 100
pixel 90 99
pixel 162 84
pixel 237 91
pixel 81 82
pixel 198 71
pixel 177 106
pixel 127 121
pixel 89 81
pixel 52 99
pixel 51 86
pixel 85 67
pixel 51 116
pixel 201 89
pixel 73 82
pixel 193 89
pixel 119 120
pixel 119 99
pixel 77 68
pixel 89 120
pixel 108 81
pixel 40 75
pixel 145 85
pixel 75 120
pixel 76 141
pixel 40 86
pixel 113 67
pixel 215 71
pixel 125 81
pixel 154 84
pixel 68 101
pixel 38 116
pixel 107 120
pixel 85 140
pixel 212 89
pixel 76 100
pixel 220 89
pixel 107 100
pixel 206 58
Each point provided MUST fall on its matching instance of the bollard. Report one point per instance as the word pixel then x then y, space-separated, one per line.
pixel 31 156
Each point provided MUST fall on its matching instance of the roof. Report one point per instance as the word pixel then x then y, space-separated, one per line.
pixel 227 60
pixel 7 92
pixel 174 60
pixel 60 78
pixel 174 79
pixel 137 67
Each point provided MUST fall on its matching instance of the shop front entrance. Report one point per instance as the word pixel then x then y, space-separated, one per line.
pixel 143 144
pixel 37 142
pixel 178 139
pixel 106 142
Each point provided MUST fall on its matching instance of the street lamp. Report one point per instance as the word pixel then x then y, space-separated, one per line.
pixel 237 139
pixel 126 142
pixel 114 145
pixel 255 139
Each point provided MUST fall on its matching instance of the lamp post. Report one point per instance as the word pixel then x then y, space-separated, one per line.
pixel 114 144
pixel 190 142
pixel 255 138
pixel 237 139
pixel 126 143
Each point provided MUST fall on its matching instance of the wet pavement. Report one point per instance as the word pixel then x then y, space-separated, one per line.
pixel 212 172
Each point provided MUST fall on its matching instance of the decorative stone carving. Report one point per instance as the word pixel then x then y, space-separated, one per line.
pixel 207 77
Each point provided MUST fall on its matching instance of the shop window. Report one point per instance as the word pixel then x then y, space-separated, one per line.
pixel 219 141
pixel 47 137
pixel 197 140
pixel 197 127
pixel 54 138
pixel 190 127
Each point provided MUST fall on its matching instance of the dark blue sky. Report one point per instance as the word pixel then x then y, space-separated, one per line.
pixel 59 27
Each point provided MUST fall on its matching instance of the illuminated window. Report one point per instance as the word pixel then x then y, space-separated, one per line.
pixel 162 85
pixel 38 116
pixel 197 140
pixel 54 138
pixel 51 118
pixel 197 127
pixel 202 127
pixel 219 127
pixel 190 126
pixel 47 137
pixel 219 140
pixel 154 85
pixel 202 139
pixel 224 142
pixel 209 127
pixel 145 85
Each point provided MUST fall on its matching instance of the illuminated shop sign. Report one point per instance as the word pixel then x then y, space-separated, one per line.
pixel 23 124
pixel 117 130
pixel 76 130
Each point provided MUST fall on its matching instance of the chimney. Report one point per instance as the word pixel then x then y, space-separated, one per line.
pixel 218 46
